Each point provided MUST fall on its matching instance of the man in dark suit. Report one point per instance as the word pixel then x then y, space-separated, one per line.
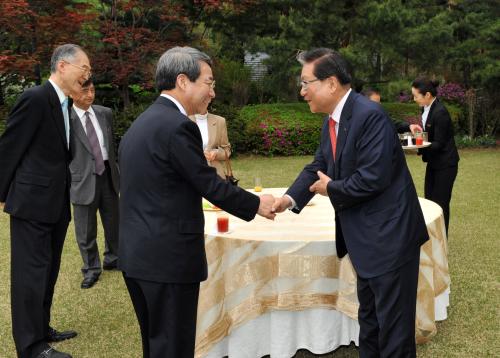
pixel 34 184
pixel 164 175
pixel 378 219
pixel 94 182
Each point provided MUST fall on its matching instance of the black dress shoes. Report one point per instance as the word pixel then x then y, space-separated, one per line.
pixel 56 336
pixel 89 281
pixel 52 353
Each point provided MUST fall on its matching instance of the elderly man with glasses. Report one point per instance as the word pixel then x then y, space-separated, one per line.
pixel 34 184
pixel 361 167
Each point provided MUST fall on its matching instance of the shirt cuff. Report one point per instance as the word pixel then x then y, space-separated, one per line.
pixel 294 204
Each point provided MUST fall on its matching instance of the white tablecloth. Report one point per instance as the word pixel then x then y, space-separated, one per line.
pixel 276 287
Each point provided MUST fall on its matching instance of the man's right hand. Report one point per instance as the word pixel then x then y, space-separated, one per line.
pixel 265 206
pixel 2 205
pixel 281 204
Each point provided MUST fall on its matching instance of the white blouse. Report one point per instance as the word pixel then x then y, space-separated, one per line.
pixel 201 121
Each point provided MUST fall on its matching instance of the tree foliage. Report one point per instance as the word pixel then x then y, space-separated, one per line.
pixel 388 42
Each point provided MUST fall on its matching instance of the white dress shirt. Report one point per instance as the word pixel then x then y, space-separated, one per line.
pixel 202 122
pixel 177 103
pixel 426 113
pixel 62 97
pixel 337 112
pixel 98 130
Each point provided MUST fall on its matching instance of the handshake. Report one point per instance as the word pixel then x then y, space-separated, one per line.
pixel 269 205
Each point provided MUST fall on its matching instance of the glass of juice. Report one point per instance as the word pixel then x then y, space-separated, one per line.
pixel 222 222
pixel 419 138
pixel 258 184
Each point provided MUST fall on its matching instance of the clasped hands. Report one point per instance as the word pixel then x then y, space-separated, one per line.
pixel 270 205
pixel 210 155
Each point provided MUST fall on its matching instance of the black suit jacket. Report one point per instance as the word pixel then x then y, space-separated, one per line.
pixel 442 152
pixel 34 157
pixel 164 176
pixel 378 217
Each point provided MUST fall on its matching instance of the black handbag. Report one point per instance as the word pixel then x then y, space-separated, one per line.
pixel 230 178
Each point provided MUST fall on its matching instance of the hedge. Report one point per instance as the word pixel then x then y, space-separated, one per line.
pixel 291 129
pixel 280 128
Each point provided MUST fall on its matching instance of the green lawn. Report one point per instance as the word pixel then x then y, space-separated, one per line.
pixel 106 323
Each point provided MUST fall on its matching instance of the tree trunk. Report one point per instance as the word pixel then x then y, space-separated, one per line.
pixel 2 99
pixel 125 95
pixel 379 67
pixel 471 101
pixel 407 63
pixel 38 75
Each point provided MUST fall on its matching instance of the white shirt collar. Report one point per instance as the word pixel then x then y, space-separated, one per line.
pixel 201 117
pixel 81 112
pixel 427 108
pixel 59 91
pixel 339 107
pixel 177 103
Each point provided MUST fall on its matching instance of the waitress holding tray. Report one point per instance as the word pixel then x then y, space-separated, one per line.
pixel 442 155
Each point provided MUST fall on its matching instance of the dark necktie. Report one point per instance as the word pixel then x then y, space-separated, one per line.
pixel 333 135
pixel 94 144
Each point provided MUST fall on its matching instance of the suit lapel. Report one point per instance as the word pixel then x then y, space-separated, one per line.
pixel 429 122
pixel 103 123
pixel 212 130
pixel 80 131
pixel 57 114
pixel 327 148
pixel 344 124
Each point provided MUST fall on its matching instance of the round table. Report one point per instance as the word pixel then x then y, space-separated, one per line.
pixel 276 287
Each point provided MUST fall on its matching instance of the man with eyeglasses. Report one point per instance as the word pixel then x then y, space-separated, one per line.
pixel 34 184
pixel 361 167
pixel 94 183
pixel 164 175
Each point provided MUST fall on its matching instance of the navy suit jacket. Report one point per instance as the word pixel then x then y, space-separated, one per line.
pixel 163 177
pixel 379 221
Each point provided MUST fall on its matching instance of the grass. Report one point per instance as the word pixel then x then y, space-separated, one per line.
pixel 106 323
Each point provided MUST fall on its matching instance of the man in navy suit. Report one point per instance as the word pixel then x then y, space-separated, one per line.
pixel 361 167
pixel 164 175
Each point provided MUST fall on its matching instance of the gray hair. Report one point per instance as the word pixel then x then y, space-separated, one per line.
pixel 64 52
pixel 176 61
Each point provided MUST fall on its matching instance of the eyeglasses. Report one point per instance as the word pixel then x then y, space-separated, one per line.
pixel 211 84
pixel 305 84
pixel 85 69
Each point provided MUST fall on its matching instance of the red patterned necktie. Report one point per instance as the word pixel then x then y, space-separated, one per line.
pixel 94 145
pixel 333 135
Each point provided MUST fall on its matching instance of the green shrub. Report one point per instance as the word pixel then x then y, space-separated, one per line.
pixel 482 141
pixel 291 129
pixel 123 119
pixel 233 82
pixel 4 113
pixel 410 112
pixel 235 125
pixel 279 129
pixel 399 90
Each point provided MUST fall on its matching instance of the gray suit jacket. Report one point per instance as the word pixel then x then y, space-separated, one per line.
pixel 82 166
